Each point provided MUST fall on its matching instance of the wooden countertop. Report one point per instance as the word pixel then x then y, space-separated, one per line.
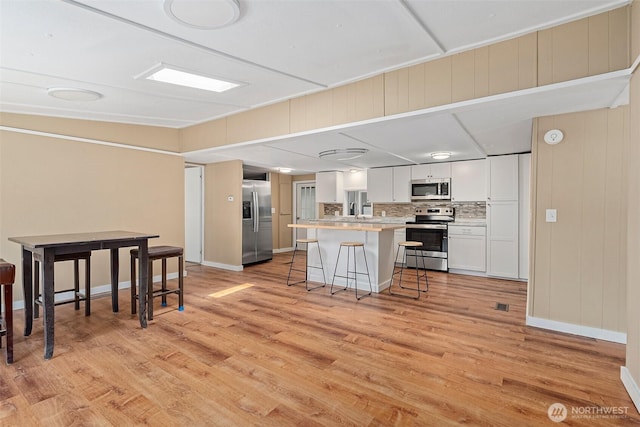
pixel 355 226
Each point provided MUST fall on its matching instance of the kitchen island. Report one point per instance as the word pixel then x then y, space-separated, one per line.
pixel 378 244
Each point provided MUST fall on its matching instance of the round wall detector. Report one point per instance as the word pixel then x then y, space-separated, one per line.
pixel 553 137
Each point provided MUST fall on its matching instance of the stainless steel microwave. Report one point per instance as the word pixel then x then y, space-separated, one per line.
pixel 431 189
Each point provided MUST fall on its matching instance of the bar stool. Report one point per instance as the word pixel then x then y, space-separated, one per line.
pixel 158 252
pixel 77 295
pixel 306 265
pixel 7 277
pixel 352 246
pixel 417 254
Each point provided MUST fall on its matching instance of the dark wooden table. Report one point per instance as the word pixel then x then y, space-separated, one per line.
pixel 47 247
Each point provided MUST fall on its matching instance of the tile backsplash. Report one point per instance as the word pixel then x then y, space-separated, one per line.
pixel 475 210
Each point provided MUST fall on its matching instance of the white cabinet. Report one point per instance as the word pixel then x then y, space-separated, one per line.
pixel 503 246
pixel 468 181
pixel 389 185
pixel 467 248
pixel 502 178
pixel 431 170
pixel 329 187
pixel 356 180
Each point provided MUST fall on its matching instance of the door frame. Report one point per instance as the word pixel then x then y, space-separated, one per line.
pixel 202 212
pixel 295 205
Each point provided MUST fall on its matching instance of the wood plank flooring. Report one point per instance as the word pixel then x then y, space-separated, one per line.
pixel 272 355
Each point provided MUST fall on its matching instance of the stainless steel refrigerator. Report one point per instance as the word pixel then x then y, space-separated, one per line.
pixel 257 240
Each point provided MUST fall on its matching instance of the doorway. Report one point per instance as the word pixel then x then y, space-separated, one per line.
pixel 305 206
pixel 193 213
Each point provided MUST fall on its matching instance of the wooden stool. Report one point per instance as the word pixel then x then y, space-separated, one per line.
pixel 306 266
pixel 77 295
pixel 158 252
pixel 7 277
pixel 417 254
pixel 353 246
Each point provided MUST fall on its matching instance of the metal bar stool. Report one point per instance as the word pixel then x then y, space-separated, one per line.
pixel 77 295
pixel 7 277
pixel 158 252
pixel 417 254
pixel 306 265
pixel 353 246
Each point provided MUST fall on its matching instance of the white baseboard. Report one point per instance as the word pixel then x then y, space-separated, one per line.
pixel 281 250
pixel 585 331
pixel 223 266
pixel 98 290
pixel 631 386
pixel 468 272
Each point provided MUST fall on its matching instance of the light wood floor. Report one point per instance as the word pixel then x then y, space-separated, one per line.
pixel 268 355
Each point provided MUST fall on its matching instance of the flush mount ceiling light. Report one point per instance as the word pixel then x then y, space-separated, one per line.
pixel 73 94
pixel 284 170
pixel 203 14
pixel 172 75
pixel 441 155
pixel 343 153
pixel 553 137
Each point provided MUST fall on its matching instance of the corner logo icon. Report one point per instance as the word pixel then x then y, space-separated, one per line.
pixel 557 412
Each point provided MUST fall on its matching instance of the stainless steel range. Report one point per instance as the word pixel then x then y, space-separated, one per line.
pixel 430 228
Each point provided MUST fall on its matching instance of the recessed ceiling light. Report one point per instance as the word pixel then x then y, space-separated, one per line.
pixel 285 170
pixel 441 155
pixel 343 153
pixel 174 76
pixel 73 94
pixel 203 15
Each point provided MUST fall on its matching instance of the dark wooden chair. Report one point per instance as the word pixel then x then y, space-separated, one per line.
pixel 155 253
pixel 7 277
pixel 77 295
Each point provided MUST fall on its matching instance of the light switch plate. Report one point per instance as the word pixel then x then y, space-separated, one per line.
pixel 552 215
pixel 273 210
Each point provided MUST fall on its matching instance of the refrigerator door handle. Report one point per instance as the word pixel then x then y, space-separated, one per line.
pixel 256 222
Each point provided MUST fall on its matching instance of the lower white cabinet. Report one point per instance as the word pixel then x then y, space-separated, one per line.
pixel 467 248
pixel 502 239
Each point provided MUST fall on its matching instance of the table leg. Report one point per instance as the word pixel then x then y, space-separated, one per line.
pixel 27 289
pixel 8 320
pixel 115 268
pixel 143 277
pixel 48 302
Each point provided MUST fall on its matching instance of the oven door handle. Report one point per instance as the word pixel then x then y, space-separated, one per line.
pixel 427 226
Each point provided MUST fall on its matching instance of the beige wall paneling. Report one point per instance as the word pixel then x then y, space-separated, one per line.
pixel 318 110
pixel 577 275
pixel 223 219
pixel 598 45
pixel 205 135
pixel 365 100
pixel 437 82
pixel 635 30
pixel 160 138
pixel 274 179
pixel 298 114
pixel 52 186
pixel 633 228
pixel 512 64
pixel 533 203
pixel 417 87
pixel 481 59
pixel 396 92
pixel 264 122
pixel 619 39
pixel 463 76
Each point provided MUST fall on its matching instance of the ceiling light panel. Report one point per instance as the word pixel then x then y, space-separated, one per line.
pixel 178 77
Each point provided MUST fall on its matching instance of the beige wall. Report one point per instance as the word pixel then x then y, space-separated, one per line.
pixel 579 262
pixel 223 219
pixel 50 186
pixel 142 136
pixel 633 227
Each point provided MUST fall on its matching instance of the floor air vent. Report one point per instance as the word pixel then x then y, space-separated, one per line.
pixel 502 306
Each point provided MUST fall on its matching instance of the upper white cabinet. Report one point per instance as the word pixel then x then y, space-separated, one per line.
pixel 502 178
pixel 329 187
pixel 355 180
pixel 431 170
pixel 468 181
pixel 389 185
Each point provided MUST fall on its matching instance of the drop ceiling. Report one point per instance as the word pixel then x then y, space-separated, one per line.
pixel 280 50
